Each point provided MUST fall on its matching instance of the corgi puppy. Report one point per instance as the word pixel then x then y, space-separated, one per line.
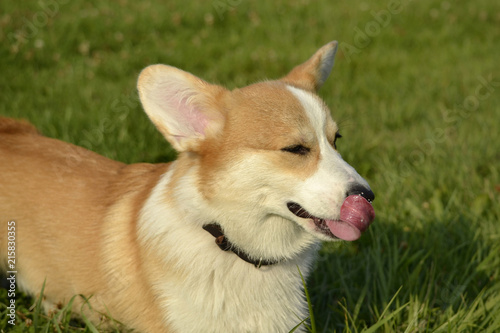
pixel 211 242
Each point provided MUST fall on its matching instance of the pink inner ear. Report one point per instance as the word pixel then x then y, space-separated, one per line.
pixel 192 116
pixel 185 118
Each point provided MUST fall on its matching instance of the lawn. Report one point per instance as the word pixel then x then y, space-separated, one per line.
pixel 415 90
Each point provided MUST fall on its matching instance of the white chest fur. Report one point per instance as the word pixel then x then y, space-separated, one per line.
pixel 237 297
pixel 204 289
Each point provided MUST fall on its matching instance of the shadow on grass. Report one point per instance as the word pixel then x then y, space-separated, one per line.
pixel 442 267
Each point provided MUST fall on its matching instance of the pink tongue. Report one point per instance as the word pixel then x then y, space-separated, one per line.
pixel 356 214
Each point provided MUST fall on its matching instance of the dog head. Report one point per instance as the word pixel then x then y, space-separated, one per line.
pixel 266 161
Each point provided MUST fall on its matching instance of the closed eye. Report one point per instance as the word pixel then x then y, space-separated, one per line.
pixel 337 136
pixel 297 149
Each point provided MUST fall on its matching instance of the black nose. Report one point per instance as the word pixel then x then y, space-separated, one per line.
pixel 365 192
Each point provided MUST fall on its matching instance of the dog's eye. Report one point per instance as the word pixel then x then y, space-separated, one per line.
pixel 337 136
pixel 297 149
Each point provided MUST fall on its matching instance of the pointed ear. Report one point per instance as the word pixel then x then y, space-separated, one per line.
pixel 313 73
pixel 183 107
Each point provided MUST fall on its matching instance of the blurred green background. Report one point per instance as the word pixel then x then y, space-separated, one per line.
pixel 416 92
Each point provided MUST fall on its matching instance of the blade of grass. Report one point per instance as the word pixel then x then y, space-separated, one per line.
pixel 374 328
pixel 89 324
pixel 298 325
pixel 38 309
pixel 309 304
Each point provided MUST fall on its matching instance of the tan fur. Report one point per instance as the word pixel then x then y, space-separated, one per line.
pixel 260 108
pixel 44 250
pixel 130 238
pixel 11 126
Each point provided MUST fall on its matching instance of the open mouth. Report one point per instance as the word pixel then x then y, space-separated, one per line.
pixel 356 214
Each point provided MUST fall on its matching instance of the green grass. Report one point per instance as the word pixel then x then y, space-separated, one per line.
pixel 418 122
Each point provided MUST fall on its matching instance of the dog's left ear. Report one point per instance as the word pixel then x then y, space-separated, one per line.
pixel 313 73
pixel 183 107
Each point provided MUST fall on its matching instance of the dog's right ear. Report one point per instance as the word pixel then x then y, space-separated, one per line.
pixel 313 73
pixel 183 107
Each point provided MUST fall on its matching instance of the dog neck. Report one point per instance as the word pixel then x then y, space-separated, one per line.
pixel 225 245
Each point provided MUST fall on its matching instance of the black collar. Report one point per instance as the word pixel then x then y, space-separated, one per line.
pixel 225 245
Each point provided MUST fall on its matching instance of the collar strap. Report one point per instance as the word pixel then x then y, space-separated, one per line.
pixel 225 245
